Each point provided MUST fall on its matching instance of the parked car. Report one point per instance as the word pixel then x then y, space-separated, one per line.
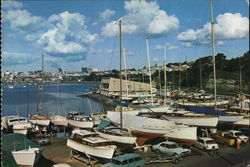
pixel 127 160
pixel 41 139
pixel 238 134
pixel 245 131
pixel 206 143
pixel 171 148
pixel 224 138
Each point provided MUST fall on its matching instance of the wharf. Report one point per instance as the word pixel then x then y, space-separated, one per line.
pixel 58 152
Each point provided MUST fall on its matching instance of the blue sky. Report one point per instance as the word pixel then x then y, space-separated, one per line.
pixel 83 33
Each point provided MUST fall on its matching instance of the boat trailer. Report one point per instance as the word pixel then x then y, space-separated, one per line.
pixel 83 157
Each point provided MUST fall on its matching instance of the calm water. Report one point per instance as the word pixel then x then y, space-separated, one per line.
pixel 67 96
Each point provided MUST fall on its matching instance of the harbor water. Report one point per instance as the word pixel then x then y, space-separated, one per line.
pixel 57 99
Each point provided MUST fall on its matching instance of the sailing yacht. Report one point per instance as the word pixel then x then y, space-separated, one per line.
pixel 109 131
pixel 18 124
pixel 80 120
pixel 39 118
pixel 58 120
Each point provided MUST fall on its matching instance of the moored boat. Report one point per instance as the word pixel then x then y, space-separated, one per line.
pixel 92 144
pixel 80 120
pixel 39 119
pixel 22 127
pixel 59 120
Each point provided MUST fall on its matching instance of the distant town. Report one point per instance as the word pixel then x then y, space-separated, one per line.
pixel 86 74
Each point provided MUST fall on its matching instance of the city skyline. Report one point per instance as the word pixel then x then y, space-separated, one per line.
pixel 76 34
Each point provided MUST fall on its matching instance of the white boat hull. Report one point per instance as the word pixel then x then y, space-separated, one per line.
pixel 208 122
pixel 245 122
pixel 119 139
pixel 21 131
pixel 27 157
pixel 81 124
pixel 105 152
pixel 156 126
pixel 230 119
pixel 44 122
pixel 59 120
pixel 204 104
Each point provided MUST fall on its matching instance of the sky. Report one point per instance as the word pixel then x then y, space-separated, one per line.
pixel 82 33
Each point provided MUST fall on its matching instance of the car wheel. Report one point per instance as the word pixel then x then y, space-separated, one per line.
pixel 175 160
pixel 158 151
pixel 176 155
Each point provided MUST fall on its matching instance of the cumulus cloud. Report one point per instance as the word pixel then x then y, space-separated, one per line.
pixel 11 59
pixel 106 14
pixel 8 4
pixel 63 35
pixel 228 26
pixel 168 45
pixel 143 18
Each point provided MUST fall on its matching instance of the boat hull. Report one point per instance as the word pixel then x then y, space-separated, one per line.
pixel 27 157
pixel 105 152
pixel 116 138
pixel 229 119
pixel 207 122
pixel 81 124
pixel 21 131
pixel 245 122
pixel 39 122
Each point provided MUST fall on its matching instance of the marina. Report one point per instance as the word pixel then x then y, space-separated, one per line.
pixel 176 113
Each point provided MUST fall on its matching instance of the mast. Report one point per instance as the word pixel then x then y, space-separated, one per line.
pixel 42 81
pixel 240 85
pixel 186 74
pixel 149 71
pixel 200 74
pixel 57 88
pixel 213 52
pixel 27 102
pixel 165 74
pixel 124 51
pixel 120 29
pixel 180 77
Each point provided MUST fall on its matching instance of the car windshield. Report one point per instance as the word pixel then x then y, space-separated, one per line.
pixel 238 134
pixel 116 162
pixel 173 146
pixel 210 142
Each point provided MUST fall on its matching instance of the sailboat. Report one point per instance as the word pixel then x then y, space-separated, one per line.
pixel 58 120
pixel 39 118
pixel 109 131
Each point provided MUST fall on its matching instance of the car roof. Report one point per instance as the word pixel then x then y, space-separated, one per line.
pixel 205 138
pixel 168 142
pixel 126 156
pixel 234 131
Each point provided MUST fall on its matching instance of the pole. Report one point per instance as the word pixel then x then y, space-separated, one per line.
pixel 179 77
pixel 149 71
pixel 240 85
pixel 124 51
pixel 27 102
pixel 213 51
pixel 186 74
pixel 200 74
pixel 42 82
pixel 120 29
pixel 165 74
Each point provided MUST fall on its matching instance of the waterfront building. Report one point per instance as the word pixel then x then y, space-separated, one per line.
pixel 112 86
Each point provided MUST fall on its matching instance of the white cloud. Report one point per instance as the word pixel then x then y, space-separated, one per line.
pixel 106 14
pixel 247 2
pixel 228 26
pixel 23 21
pixel 169 46
pixel 143 18
pixel 8 4
pixel 68 38
pixel 12 59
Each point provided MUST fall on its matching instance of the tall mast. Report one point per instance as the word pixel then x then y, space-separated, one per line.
pixel 213 52
pixel 27 102
pixel 240 85
pixel 58 102
pixel 120 30
pixel 186 73
pixel 42 81
pixel 149 71
pixel 165 74
pixel 200 74
pixel 124 51
pixel 179 76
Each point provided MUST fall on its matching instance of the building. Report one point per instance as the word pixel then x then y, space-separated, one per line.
pixel 111 86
